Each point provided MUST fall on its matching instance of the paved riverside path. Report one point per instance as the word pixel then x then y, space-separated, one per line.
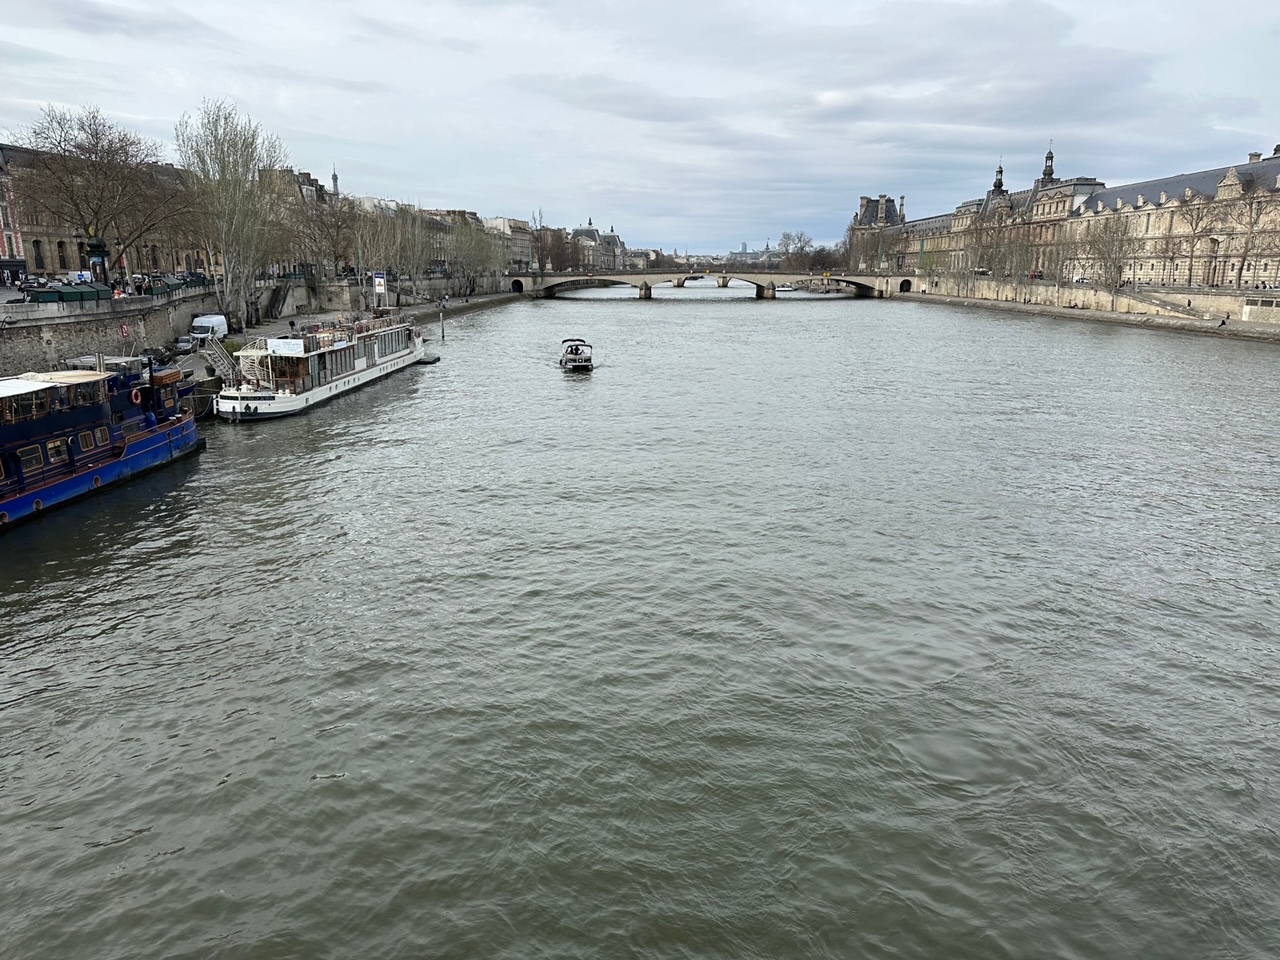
pixel 1209 326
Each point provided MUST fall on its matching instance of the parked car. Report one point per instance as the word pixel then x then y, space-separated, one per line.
pixel 1080 280
pixel 186 343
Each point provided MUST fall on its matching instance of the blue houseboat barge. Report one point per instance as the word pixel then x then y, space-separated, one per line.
pixel 69 433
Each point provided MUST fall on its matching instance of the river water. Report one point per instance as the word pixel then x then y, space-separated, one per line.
pixel 807 628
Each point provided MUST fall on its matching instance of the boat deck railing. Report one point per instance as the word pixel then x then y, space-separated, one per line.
pixel 217 355
pixel 291 385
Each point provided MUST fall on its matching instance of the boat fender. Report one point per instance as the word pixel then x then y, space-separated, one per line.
pixel 136 397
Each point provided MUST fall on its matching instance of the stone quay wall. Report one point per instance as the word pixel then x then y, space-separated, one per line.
pixel 1199 304
pixel 38 336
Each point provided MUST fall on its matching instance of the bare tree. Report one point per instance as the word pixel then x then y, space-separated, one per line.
pixel 1110 244
pixel 541 239
pixel 325 230
pixel 1013 254
pixel 932 266
pixel 795 249
pixel 1248 214
pixel 89 175
pixel 1201 218
pixel 560 250
pixel 824 258
pixel 863 246
pixel 1059 258
pixel 475 253
pixel 374 244
pixel 233 167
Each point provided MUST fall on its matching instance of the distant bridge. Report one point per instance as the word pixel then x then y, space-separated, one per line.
pixel 766 284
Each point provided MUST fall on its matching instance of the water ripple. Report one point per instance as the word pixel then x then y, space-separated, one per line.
pixel 946 635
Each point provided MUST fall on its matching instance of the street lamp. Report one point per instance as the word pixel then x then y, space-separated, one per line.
pixel 120 261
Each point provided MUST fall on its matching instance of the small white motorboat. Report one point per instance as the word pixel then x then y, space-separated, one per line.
pixel 576 354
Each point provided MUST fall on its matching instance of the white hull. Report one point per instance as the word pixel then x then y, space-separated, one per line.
pixel 253 403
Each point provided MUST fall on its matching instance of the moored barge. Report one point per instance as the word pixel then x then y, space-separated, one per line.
pixel 66 434
pixel 279 376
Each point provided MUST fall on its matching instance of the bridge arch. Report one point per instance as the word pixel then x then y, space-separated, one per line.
pixel 859 285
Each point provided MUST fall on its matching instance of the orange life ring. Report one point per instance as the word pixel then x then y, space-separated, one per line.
pixel 136 397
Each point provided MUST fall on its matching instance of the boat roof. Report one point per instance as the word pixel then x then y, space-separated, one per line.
pixel 116 364
pixel 574 340
pixel 35 382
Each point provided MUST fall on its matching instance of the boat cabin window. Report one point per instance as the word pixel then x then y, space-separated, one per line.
pixel 26 406
pixel 87 394
pixel 130 428
pixel 57 450
pixel 104 436
pixel 86 440
pixel 31 456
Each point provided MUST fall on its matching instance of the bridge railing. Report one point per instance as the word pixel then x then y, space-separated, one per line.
pixel 717 272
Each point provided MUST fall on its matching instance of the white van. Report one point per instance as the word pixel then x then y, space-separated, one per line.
pixel 211 325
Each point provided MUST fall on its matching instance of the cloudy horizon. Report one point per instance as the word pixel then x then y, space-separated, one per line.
pixel 686 127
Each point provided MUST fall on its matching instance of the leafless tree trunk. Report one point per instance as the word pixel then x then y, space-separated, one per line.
pixel 1247 215
pixel 233 167
pixel 1110 245
pixel 325 230
pixel 540 240
pixel 474 254
pixel 1201 218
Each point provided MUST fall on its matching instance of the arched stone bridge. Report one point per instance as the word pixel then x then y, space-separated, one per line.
pixel 766 284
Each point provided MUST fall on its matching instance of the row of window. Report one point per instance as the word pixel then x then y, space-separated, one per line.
pixel 27 406
pixel 33 456
pixel 37 254
pixel 392 342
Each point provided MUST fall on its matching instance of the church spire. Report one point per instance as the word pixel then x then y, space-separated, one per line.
pixel 999 184
pixel 1048 163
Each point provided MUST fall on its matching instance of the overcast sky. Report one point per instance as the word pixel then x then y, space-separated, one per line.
pixel 700 124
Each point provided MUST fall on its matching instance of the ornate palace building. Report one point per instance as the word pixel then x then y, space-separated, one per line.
pixel 1211 228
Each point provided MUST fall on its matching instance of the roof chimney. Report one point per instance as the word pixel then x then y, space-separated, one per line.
pixel 1254 156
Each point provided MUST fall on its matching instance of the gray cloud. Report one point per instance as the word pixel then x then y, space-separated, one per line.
pixel 706 123
pixel 101 20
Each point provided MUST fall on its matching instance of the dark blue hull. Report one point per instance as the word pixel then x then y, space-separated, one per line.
pixel 143 451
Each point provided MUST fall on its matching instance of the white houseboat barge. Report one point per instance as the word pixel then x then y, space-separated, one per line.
pixel 279 376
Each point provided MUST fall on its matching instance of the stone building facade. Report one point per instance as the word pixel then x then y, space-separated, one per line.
pixel 1211 228
pixel 596 249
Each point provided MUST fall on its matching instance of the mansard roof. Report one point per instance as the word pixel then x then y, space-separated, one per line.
pixel 1203 183
pixel 930 225
pixel 869 212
